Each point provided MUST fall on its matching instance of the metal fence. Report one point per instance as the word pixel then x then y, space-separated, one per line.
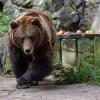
pixel 73 49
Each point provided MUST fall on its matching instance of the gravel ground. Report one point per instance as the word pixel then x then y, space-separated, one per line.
pixel 47 91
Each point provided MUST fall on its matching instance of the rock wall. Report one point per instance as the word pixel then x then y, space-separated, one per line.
pixel 91 13
pixel 66 14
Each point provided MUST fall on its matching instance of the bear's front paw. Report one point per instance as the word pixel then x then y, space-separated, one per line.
pixel 22 83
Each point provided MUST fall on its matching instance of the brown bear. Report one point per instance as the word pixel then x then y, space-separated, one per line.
pixel 31 43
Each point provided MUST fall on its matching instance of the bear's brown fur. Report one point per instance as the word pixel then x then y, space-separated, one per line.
pixel 31 43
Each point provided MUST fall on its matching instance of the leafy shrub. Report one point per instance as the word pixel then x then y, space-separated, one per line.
pixel 64 75
pixel 83 72
pixel 70 75
pixel 4 24
pixel 95 80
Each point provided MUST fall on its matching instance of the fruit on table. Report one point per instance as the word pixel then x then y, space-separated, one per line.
pixel 60 32
pixel 89 32
pixel 67 33
pixel 78 32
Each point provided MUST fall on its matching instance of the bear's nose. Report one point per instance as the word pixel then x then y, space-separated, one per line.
pixel 27 51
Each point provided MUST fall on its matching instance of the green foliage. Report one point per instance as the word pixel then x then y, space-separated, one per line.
pixel 70 75
pixel 4 27
pixel 4 22
pixel 96 78
pixel 83 72
pixel 56 56
pixel 6 61
pixel 64 75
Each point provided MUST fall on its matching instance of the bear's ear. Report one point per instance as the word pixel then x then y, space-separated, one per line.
pixel 35 21
pixel 13 24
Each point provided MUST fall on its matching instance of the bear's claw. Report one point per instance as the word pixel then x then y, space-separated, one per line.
pixel 23 84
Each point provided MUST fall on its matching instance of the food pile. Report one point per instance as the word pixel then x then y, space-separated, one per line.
pixel 78 32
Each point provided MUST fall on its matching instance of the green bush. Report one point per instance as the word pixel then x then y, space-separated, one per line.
pixel 85 71
pixel 64 75
pixel 70 75
pixel 95 80
pixel 4 24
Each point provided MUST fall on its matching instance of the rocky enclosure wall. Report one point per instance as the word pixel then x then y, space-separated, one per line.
pixel 69 15
pixel 66 14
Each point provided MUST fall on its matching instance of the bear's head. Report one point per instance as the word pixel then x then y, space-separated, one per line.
pixel 31 30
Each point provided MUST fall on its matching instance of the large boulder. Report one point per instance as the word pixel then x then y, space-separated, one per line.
pixel 27 3
pixel 11 9
pixel 3 1
pixel 23 3
pixel 95 13
pixel 67 14
pixel 37 2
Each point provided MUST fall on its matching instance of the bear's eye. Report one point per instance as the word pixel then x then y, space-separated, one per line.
pixel 13 24
pixel 35 22
pixel 22 39
pixel 19 40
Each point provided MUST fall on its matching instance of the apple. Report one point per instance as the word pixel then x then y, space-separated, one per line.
pixel 78 32
pixel 67 33
pixel 61 32
pixel 89 32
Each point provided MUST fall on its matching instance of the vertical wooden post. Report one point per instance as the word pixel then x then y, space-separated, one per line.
pixel 60 51
pixel 77 58
pixel 94 38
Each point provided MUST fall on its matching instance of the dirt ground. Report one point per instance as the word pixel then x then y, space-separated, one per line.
pixel 47 91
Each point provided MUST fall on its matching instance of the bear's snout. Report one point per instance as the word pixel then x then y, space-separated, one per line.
pixel 28 47
pixel 27 51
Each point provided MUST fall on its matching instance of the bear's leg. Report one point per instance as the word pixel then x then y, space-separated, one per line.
pixel 19 65
pixel 18 70
pixel 33 75
pixel 26 80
